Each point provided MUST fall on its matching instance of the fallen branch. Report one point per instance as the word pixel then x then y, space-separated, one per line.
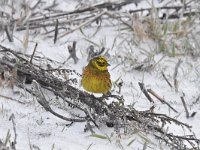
pixel 37 91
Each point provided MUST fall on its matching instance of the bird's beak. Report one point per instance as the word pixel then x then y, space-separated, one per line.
pixel 108 64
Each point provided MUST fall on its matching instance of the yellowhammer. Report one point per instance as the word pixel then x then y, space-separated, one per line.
pixel 96 78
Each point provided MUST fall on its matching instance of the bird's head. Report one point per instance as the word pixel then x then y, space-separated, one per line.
pixel 99 63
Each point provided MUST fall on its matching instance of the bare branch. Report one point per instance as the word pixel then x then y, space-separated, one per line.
pixel 115 114
pixel 42 100
pixel 144 91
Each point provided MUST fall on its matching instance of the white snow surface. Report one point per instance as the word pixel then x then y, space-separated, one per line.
pixel 39 128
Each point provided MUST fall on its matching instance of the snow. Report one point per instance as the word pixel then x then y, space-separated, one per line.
pixel 40 129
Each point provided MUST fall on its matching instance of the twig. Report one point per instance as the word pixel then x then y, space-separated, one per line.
pixel 83 24
pixel 29 140
pixel 35 147
pixel 36 4
pixel 160 99
pixel 90 50
pixel 56 31
pixel 196 101
pixel 90 9
pixel 166 79
pixel 144 91
pixel 10 38
pixel 26 37
pixel 99 52
pixel 185 107
pixel 12 117
pixel 169 119
pixel 175 74
pixel 120 84
pixel 3 146
pixel 158 8
pixel 72 52
pixel 89 127
pixel 36 44
pixel 89 146
pixel 172 15
pixel 92 53
pixel 54 4
pixel 10 98
pixel 42 100
pixel 60 94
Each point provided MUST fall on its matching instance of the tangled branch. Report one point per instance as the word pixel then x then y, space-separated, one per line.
pixel 91 108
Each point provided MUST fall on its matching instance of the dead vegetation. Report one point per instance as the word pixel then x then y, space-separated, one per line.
pixel 115 115
pixel 19 69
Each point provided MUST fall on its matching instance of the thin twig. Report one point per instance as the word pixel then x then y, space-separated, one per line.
pixel 56 31
pixel 185 107
pixel 29 140
pixel 144 91
pixel 72 52
pixel 83 24
pixel 10 38
pixel 3 146
pixel 36 44
pixel 36 4
pixel 166 79
pixel 161 99
pixel 169 119
pixel 92 53
pixel 10 98
pixel 12 117
pixel 90 9
pixel 89 146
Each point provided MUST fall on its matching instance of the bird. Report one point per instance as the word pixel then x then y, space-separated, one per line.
pixel 95 76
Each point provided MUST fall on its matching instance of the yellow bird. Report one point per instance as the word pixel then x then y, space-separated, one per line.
pixel 96 78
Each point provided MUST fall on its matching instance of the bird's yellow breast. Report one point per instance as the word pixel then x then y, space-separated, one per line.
pixel 96 81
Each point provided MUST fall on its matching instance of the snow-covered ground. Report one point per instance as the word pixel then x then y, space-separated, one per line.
pixel 38 129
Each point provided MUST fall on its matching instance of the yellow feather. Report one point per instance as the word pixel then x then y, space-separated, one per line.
pixel 96 78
